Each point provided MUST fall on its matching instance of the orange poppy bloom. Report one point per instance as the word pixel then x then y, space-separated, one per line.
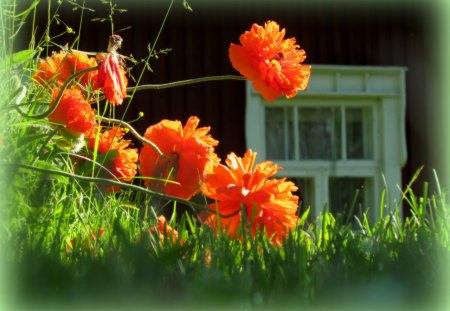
pixel 60 66
pixel 80 61
pixel 111 78
pixel 87 243
pixel 271 62
pixel 120 160
pixel 188 150
pixel 73 113
pixel 163 229
pixel 243 191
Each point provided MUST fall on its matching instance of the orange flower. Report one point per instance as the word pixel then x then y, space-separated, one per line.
pixel 55 68
pixel 164 230
pixel 111 74
pixel 73 113
pixel 273 64
pixel 242 191
pixel 87 243
pixel 120 160
pixel 80 61
pixel 207 258
pixel 188 150
pixel 60 66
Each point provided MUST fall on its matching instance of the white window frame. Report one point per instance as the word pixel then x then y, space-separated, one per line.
pixel 384 87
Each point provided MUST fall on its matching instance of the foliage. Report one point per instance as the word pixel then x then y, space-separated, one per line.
pixel 69 242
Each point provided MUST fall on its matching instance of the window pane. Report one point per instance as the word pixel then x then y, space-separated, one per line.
pixel 342 192
pixel 319 133
pixel 279 129
pixel 358 133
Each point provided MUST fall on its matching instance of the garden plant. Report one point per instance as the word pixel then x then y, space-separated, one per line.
pixel 94 212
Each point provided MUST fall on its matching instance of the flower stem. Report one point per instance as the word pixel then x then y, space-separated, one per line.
pixel 55 103
pixel 135 134
pixel 183 82
pixel 147 60
pixel 162 86
pixel 101 180
pixel 43 145
pixel 193 205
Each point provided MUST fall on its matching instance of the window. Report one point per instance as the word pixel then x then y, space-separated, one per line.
pixel 319 132
pixel 337 141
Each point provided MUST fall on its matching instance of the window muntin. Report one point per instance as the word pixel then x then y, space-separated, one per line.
pixel 319 133
pixel 349 195
pixel 324 146
pixel 377 94
pixel 279 133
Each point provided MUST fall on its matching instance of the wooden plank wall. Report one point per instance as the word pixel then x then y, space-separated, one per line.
pixel 330 33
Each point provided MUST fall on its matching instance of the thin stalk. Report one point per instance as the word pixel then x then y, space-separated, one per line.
pixel 47 29
pixel 167 197
pixel 55 104
pixel 135 134
pixel 44 145
pixel 134 89
pixel 183 82
pixel 77 39
pixel 147 60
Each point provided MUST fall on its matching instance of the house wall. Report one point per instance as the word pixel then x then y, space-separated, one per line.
pixel 331 32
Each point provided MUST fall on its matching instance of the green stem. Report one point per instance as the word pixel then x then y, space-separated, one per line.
pixel 135 134
pixel 147 60
pixel 183 82
pixel 43 146
pixel 55 103
pixel 162 86
pixel 112 182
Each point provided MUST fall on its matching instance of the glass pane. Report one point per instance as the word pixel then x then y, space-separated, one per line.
pixel 358 133
pixel 349 195
pixel 279 129
pixel 319 133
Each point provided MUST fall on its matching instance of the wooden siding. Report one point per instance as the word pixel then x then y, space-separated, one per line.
pixel 336 32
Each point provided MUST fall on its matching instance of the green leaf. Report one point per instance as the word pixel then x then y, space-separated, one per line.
pixel 22 56
pixel 18 95
pixel 22 141
pixel 25 13
pixel 46 165
pixel 17 58
pixel 187 6
pixel 52 167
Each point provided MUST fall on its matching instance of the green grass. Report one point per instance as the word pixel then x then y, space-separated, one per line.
pixel 48 216
pixel 394 262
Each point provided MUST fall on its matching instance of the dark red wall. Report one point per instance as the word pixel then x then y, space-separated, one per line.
pixel 337 32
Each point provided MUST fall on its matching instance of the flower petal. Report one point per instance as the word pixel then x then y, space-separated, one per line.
pixel 271 62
